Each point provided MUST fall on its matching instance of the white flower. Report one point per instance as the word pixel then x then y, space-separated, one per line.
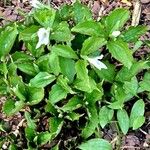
pixel 36 4
pixel 97 63
pixel 115 33
pixel 43 35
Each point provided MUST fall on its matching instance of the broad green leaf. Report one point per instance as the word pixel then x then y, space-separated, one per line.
pixel 7 39
pixel 28 68
pixel 65 12
pixel 64 51
pixel 116 19
pixel 92 122
pixel 89 28
pixel 30 122
pixel 74 103
pixel 105 116
pixel 3 87
pixel 50 108
pixel 72 116
pixel 82 71
pixel 107 74
pixel 67 67
pixel 21 56
pixel 55 125
pixel 116 105
pixel 12 147
pixel 92 44
pixel 57 93
pixel 45 17
pixel 133 33
pixel 123 120
pixel 85 13
pixel 62 33
pixel 126 74
pixel 30 133
pixel 42 79
pixel 43 63
pixel 95 144
pixel 120 51
pixel 54 63
pixel 138 122
pixel 144 84
pixel 131 86
pixel 35 95
pixel 63 82
pixel 11 107
pixel 136 111
pixel 43 138
pixel 28 33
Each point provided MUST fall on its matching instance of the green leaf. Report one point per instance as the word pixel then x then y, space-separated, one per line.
pixel 28 33
pixel 89 28
pixel 42 79
pixel 30 133
pixel 35 95
pixel 63 82
pixel 43 138
pixel 85 13
pixel 54 63
pixel 136 111
pixel 92 44
pixel 96 144
pixel 7 39
pixel 27 67
pixel 82 71
pixel 45 17
pixel 64 51
pixel 72 116
pixel 57 93
pixel 62 33
pixel 126 74
pixel 105 116
pixel 74 103
pixel 67 67
pixel 123 120
pixel 30 122
pixel 131 86
pixel 138 122
pixel 92 122
pixel 116 19
pixel 107 74
pixel 144 84
pixel 11 107
pixel 55 125
pixel 121 52
pixel 133 33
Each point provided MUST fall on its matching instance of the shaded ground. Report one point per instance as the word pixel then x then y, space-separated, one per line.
pixel 140 139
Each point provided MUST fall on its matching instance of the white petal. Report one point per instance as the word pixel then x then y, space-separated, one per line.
pixel 43 35
pixel 99 57
pixel 96 63
pixel 116 33
pixel 36 4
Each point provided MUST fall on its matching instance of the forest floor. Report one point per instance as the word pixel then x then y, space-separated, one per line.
pixel 11 10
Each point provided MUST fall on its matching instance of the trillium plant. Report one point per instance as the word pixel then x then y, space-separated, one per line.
pixel 71 78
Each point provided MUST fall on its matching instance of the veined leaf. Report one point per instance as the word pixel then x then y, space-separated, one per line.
pixel 89 28
pixel 96 144
pixel 92 44
pixel 64 51
pixel 123 120
pixel 42 79
pixel 57 93
pixel 136 111
pixel 116 19
pixel 7 39
pixel 133 33
pixel 138 122
pixel 121 52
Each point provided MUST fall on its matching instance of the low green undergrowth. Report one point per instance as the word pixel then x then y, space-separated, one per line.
pixel 81 74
